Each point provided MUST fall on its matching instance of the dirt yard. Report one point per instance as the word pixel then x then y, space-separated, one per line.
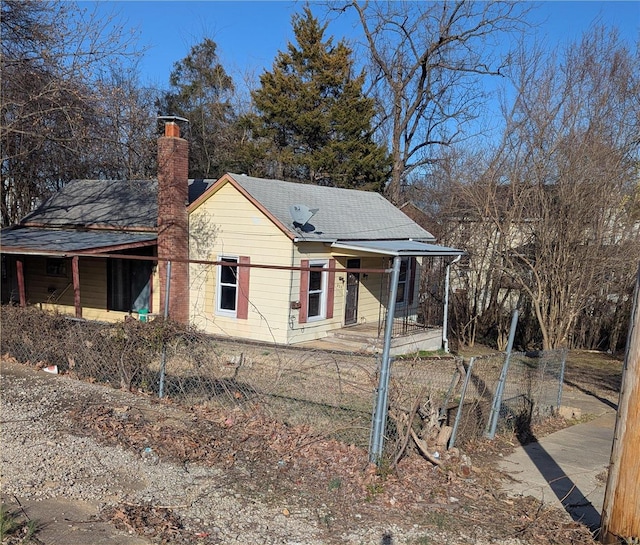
pixel 104 463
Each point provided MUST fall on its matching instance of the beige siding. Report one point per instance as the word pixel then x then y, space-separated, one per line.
pixel 227 224
pixel 43 288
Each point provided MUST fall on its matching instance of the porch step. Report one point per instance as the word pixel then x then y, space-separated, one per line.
pixel 354 337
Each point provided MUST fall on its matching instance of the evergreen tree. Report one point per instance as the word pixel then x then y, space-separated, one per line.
pixel 201 92
pixel 313 119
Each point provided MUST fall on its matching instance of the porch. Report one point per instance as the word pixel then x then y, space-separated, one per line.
pixel 368 338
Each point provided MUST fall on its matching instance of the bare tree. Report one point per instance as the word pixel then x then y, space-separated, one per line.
pixel 426 59
pixel 460 195
pixel 126 129
pixel 550 218
pixel 571 159
pixel 52 112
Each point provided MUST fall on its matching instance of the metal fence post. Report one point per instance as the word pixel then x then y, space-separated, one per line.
pixel 452 439
pixel 497 398
pixel 565 353
pixel 163 357
pixel 380 415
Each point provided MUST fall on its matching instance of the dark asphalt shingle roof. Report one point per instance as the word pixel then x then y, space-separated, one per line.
pixel 102 203
pixel 112 208
pixel 119 204
pixel 68 240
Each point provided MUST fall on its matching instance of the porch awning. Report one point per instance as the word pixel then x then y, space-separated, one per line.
pixel 410 248
pixel 36 241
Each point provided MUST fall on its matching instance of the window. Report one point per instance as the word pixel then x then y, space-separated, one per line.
pixel 227 286
pixel 129 285
pixel 232 290
pixel 315 293
pixel 56 266
pixel 405 281
pixel 317 287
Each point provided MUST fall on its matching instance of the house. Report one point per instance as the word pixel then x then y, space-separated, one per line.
pixel 265 260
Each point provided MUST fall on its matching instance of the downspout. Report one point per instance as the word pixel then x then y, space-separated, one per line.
pixel 163 356
pixel 445 318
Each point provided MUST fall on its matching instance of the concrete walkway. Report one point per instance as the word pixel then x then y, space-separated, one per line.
pixel 567 468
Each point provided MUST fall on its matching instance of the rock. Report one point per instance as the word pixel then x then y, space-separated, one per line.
pixel 570 413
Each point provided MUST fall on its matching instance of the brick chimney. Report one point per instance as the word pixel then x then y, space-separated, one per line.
pixel 173 224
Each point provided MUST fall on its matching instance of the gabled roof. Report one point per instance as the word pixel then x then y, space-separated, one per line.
pixel 343 214
pixel 108 214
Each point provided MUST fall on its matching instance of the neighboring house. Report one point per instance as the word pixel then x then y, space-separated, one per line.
pixel 265 260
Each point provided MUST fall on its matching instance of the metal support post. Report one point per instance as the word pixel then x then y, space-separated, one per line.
pixel 380 415
pixel 497 398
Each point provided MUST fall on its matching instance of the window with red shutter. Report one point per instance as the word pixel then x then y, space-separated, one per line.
pixel 317 288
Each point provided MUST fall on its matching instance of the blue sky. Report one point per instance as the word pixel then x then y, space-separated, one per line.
pixel 249 34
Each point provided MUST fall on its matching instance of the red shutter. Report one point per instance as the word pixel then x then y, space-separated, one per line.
pixel 242 312
pixel 331 285
pixel 412 279
pixel 304 292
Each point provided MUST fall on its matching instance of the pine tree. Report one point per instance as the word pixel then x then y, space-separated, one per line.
pixel 313 118
pixel 201 92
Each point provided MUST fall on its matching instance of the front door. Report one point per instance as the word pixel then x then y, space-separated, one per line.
pixel 351 299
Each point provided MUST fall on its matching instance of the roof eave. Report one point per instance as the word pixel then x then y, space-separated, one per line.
pixel 23 250
pixel 441 251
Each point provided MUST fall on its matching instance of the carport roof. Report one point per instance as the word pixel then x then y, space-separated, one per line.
pixel 26 240
pixel 398 248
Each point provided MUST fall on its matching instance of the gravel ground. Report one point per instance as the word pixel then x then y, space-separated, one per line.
pixel 45 456
pixel 42 459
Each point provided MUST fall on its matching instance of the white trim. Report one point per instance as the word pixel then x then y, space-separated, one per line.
pixel 323 292
pixel 219 285
pixel 397 248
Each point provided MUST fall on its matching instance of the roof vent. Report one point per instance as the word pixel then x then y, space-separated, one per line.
pixel 301 214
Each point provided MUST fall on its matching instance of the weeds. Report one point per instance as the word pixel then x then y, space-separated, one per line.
pixel 437 519
pixel 14 530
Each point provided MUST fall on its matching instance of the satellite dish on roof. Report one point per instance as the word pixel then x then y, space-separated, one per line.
pixel 301 214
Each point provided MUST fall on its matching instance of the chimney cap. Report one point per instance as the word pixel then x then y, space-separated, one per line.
pixel 171 128
pixel 173 118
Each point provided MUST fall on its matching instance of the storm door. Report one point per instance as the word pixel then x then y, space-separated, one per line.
pixel 351 298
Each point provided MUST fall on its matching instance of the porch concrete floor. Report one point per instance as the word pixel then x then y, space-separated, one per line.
pixel 359 338
pixel 367 339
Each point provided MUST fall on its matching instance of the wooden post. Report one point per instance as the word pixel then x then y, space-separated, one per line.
pixel 21 289
pixel 75 273
pixel 621 509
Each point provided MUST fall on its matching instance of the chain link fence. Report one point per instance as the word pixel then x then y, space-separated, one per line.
pixel 531 392
pixel 331 392
pixel 429 396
